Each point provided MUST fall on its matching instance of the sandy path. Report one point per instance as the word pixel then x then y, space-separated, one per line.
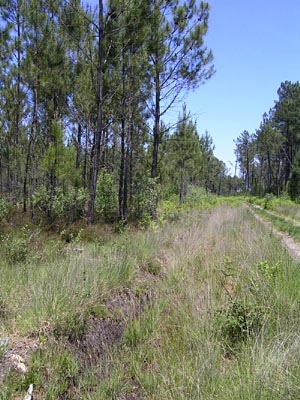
pixel 292 246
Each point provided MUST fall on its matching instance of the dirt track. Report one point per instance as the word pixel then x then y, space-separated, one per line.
pixel 292 246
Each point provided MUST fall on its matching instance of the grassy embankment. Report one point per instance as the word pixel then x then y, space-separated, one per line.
pixel 220 317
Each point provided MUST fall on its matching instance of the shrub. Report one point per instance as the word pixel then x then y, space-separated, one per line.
pixel 106 203
pixel 169 209
pixel 196 195
pixel 145 200
pixel 268 201
pixel 5 208
pixel 70 204
pixel 15 249
pixel 238 323
pixel 270 270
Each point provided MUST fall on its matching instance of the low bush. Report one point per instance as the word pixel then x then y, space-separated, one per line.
pixel 268 201
pixel 15 249
pixel 106 204
pixel 5 208
pixel 69 204
pixel 238 322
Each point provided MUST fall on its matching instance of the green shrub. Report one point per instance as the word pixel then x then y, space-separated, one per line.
pixel 69 204
pixel 71 234
pixel 169 209
pixel 15 249
pixel 238 323
pixel 268 201
pixel 145 201
pixel 5 208
pixel 106 203
pixel 196 195
pixel 270 270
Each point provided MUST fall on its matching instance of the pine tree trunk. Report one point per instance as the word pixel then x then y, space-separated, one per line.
pixel 122 171
pixel 31 187
pixel 33 131
pixel 156 132
pixel 85 163
pixel 96 158
pixel 78 146
pixel 126 177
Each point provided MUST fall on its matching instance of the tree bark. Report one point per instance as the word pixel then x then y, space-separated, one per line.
pixel 156 130
pixel 96 158
pixel 33 131
pixel 122 171
pixel 78 146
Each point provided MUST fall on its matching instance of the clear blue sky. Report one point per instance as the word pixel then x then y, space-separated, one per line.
pixel 256 46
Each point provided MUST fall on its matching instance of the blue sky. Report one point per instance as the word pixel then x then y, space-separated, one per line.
pixel 256 46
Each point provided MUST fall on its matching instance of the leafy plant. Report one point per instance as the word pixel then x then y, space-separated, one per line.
pixel 270 270
pixel 5 208
pixel 146 199
pixel 106 196
pixel 268 201
pixel 68 204
pixel 238 322
pixel 15 249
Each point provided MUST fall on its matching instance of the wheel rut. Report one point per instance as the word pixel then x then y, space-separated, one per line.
pixel 290 244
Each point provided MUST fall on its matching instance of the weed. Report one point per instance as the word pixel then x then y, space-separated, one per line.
pixel 268 201
pixel 15 249
pixel 270 270
pixel 5 208
pixel 153 266
pixel 72 326
pixel 174 348
pixel 239 322
pixel 53 371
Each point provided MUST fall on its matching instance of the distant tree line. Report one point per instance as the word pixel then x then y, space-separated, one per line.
pixel 83 97
pixel 269 159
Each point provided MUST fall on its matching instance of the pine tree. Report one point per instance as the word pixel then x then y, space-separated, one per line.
pixel 178 58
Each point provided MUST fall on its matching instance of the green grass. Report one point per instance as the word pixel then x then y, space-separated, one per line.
pixel 180 348
pixel 281 205
pixel 222 321
pixel 280 222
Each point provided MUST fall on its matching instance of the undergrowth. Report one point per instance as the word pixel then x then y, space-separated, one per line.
pixel 223 322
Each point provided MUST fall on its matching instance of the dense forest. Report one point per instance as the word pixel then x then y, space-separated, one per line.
pixel 269 159
pixel 84 100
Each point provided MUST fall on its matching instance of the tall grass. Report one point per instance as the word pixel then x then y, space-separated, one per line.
pixel 224 322
pixel 41 289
